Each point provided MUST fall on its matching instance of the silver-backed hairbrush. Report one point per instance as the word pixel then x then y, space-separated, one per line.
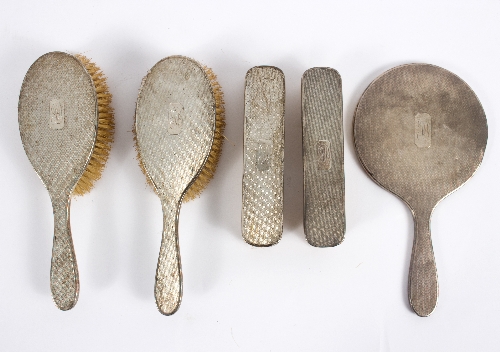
pixel 179 121
pixel 66 126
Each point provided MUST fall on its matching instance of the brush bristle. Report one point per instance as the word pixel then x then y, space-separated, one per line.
pixel 105 129
pixel 208 171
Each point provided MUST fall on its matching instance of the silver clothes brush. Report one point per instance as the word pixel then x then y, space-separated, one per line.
pixel 323 156
pixel 264 142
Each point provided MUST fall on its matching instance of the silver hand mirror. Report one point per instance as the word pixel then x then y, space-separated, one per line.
pixel 420 132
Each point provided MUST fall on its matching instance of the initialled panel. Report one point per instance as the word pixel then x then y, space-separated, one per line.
pixel 323 154
pixel 262 213
pixel 423 130
pixel 56 120
pixel 175 118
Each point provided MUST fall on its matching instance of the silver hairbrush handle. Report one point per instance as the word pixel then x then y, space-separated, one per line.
pixel 64 282
pixel 423 281
pixel 168 285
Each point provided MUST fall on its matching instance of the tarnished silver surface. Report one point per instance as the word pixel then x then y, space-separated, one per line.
pixel 58 121
pixel 175 124
pixel 323 155
pixel 420 132
pixel 264 141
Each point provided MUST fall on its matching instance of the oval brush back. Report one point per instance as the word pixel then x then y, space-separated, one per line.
pixel 175 130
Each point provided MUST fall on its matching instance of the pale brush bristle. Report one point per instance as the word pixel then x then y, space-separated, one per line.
pixel 105 129
pixel 207 173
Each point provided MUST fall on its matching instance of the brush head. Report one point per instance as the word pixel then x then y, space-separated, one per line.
pixel 58 120
pixel 105 129
pixel 208 171
pixel 178 128
pixel 65 122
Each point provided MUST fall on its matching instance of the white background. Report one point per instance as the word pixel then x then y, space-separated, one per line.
pixel 290 297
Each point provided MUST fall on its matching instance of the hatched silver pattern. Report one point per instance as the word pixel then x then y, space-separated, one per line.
pixel 264 132
pixel 175 125
pixel 323 155
pixel 59 156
